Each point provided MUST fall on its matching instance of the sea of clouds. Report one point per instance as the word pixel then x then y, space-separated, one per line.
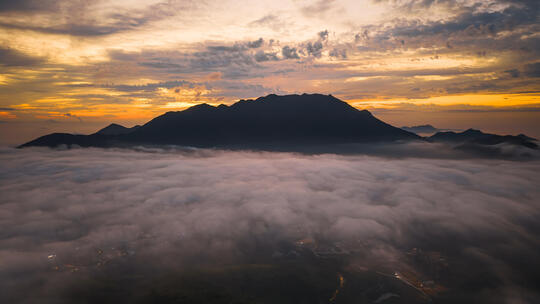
pixel 74 210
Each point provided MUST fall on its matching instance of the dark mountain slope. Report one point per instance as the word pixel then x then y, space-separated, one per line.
pixel 477 137
pixel 116 129
pixel 296 119
pixel 57 139
pixel 421 129
pixel 271 121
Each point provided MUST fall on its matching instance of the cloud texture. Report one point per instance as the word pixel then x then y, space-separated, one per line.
pixel 69 215
pixel 79 56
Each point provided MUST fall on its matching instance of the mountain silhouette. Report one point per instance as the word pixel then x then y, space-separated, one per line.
pixel 290 122
pixel 116 129
pixel 421 129
pixel 472 136
pixel 270 121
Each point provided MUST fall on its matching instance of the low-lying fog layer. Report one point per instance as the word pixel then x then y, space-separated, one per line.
pixel 66 216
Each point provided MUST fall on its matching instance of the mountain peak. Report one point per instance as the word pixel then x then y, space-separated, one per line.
pixel 272 120
pixel 200 106
pixel 421 129
pixel 116 129
pixel 477 137
pixel 472 131
pixel 306 118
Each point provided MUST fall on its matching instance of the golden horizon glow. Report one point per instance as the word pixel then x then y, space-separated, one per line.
pixel 132 60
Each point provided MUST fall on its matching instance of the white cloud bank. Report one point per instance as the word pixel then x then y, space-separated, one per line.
pixel 79 208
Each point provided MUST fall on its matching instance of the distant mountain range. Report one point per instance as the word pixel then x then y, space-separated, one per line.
pixel 422 129
pixel 268 122
pixel 477 137
pixel 116 129
pixel 426 130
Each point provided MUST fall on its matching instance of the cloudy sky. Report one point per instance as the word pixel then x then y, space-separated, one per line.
pixel 78 65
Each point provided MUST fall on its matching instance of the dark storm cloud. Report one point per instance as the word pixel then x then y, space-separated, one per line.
pixel 91 209
pixel 323 35
pixel 255 44
pixel 231 62
pixel 216 57
pixel 473 24
pixel 314 49
pixel 231 59
pixel 532 70
pixel 363 36
pixel 262 56
pixel 239 57
pixel 289 52
pixel 239 54
pixel 338 53
pixel 453 4
pixel 150 58
pixel 13 58
pixel 502 27
pixel 226 48
pixel 237 60
pixel 513 73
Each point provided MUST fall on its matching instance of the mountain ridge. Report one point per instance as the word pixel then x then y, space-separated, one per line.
pixel 116 129
pixel 473 136
pixel 312 118
pixel 272 122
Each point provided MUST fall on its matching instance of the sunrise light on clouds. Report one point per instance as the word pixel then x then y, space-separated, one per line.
pixel 78 65
pixel 269 152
